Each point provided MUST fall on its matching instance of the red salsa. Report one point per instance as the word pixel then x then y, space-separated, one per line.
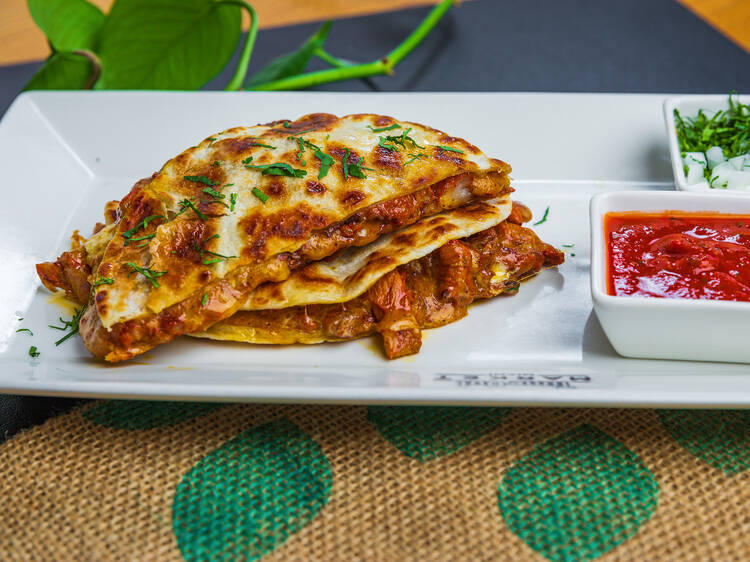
pixel 678 255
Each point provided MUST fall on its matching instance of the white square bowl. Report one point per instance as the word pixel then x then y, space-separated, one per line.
pixel 664 328
pixel 688 106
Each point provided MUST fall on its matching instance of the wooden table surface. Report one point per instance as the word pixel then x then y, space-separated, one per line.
pixel 22 41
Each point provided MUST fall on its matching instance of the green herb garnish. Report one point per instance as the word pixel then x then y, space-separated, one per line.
pixel 544 218
pixel 278 169
pixel 200 179
pixel 25 330
pixel 202 251
pixel 33 352
pixel 262 145
pixel 260 195
pixel 402 140
pixel 728 129
pixel 216 163
pixel 71 324
pixel 450 149
pixel 212 139
pixel 287 125
pixel 232 201
pixel 103 281
pixel 381 129
pixel 415 157
pixel 355 169
pixel 204 300
pixel 383 144
pixel 143 224
pixel 147 272
pixel 326 160
pixel 186 204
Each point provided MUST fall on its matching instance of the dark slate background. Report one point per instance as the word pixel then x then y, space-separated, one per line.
pixel 493 45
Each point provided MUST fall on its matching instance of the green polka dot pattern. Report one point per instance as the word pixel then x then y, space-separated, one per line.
pixel 425 433
pixel 720 438
pixel 577 495
pixel 248 496
pixel 142 414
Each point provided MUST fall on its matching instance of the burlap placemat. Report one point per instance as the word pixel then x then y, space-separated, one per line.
pixel 118 480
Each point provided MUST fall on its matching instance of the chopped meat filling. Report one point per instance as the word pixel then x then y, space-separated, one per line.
pixel 425 293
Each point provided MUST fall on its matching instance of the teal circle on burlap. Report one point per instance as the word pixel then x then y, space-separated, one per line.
pixel 720 438
pixel 145 414
pixel 577 495
pixel 247 497
pixel 429 432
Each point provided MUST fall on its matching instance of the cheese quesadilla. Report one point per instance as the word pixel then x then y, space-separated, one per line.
pixel 185 248
pixel 432 284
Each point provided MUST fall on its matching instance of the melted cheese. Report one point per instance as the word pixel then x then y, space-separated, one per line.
pixel 255 232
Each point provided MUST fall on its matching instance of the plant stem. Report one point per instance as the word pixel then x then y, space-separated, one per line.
pixel 247 50
pixel 96 66
pixel 375 68
pixel 330 59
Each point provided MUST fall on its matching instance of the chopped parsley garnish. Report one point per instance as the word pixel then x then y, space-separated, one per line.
pixel 232 201
pixel 402 140
pixel 204 300
pixel 33 352
pixel 287 125
pixel 212 139
pixel 71 325
pixel 213 193
pixel 383 144
pixel 450 149
pixel 728 129
pixel 200 179
pixel 143 224
pixel 216 163
pixel 262 145
pixel 147 272
pixel 326 160
pixel 103 281
pixel 543 219
pixel 415 157
pixel 25 330
pixel 139 238
pixel 512 286
pixel 278 169
pixel 217 195
pixel 260 195
pixel 381 129
pixel 568 245
pixel 186 204
pixel 218 257
pixel 355 169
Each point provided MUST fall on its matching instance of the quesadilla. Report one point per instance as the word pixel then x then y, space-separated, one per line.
pixel 422 276
pixel 186 247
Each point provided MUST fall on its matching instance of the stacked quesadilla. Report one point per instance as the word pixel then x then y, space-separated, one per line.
pixel 319 229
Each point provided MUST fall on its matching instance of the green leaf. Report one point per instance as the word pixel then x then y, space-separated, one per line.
pixel 68 24
pixel 577 495
pixel 250 495
pixel 167 44
pixel 62 71
pixel 291 63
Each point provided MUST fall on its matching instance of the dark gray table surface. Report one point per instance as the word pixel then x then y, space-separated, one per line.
pixel 493 45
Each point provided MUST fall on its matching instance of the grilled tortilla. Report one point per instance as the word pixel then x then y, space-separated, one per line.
pixel 432 284
pixel 185 247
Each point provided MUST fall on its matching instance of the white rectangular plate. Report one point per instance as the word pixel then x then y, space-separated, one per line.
pixel 65 154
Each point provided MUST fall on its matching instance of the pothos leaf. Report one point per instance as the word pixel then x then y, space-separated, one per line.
pixel 62 71
pixel 291 63
pixel 167 44
pixel 68 24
